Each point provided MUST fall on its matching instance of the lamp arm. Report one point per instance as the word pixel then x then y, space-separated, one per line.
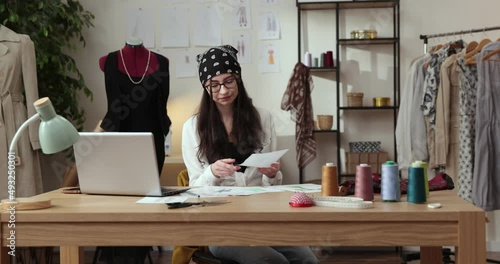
pixel 12 157
pixel 20 131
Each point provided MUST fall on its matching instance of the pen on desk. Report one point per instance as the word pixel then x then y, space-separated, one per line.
pixel 192 194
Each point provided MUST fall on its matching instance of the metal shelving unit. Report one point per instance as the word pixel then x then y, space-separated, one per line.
pixel 336 6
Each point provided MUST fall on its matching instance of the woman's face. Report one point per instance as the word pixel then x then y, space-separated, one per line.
pixel 224 88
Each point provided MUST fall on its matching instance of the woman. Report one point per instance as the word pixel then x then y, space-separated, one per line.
pixel 226 130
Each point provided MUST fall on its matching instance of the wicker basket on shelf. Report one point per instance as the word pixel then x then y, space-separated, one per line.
pixel 325 122
pixel 354 99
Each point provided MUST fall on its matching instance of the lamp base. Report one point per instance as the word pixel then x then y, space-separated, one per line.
pixel 28 203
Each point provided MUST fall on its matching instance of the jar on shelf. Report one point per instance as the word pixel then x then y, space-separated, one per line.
pixel 364 34
pixel 354 99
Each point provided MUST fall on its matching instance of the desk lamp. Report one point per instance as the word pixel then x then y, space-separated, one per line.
pixel 55 134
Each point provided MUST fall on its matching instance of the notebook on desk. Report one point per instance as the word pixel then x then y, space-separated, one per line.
pixel 119 163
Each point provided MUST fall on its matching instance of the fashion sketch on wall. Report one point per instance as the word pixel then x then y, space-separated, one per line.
pixel 243 43
pixel 241 14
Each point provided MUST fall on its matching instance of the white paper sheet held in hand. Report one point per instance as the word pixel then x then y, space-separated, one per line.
pixel 263 160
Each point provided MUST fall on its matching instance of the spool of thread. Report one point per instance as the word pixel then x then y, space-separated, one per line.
pixel 307 59
pixel 329 180
pixel 329 59
pixel 423 164
pixel 391 191
pixel 322 60
pixel 315 62
pixel 364 182
pixel 416 186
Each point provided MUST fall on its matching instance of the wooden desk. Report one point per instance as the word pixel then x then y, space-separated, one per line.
pixel 267 219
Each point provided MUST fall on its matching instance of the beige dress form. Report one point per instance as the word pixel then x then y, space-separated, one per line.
pixel 18 76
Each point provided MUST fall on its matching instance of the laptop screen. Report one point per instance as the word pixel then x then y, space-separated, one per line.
pixel 117 163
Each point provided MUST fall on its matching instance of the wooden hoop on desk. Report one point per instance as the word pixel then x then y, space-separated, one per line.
pixel 28 203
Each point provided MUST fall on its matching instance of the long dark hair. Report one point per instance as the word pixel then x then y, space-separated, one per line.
pixel 247 127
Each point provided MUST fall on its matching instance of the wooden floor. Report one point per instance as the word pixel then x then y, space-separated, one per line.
pixel 325 256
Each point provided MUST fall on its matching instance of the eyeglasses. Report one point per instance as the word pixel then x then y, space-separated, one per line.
pixel 229 83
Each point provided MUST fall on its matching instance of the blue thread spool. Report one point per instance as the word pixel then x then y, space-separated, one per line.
pixel 416 185
pixel 390 182
pixel 423 165
pixel 315 62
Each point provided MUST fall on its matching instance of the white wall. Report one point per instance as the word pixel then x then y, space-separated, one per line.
pixel 366 69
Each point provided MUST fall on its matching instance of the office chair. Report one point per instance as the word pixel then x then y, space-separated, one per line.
pixel 416 256
pixel 122 255
pixel 110 254
pixel 198 254
pixel 447 253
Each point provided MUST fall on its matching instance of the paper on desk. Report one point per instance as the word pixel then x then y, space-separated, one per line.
pixel 225 191
pixel 162 200
pixel 263 160
pixel 305 187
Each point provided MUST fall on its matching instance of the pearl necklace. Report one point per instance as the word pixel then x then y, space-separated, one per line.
pixel 128 74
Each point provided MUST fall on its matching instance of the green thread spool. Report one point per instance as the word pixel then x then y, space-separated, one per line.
pixel 416 185
pixel 423 164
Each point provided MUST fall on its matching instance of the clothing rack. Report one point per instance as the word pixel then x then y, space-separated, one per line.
pixel 462 32
pixel 447 253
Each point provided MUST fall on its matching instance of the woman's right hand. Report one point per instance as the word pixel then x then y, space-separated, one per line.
pixel 224 167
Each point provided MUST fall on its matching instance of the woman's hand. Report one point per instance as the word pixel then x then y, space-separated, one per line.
pixel 224 167
pixel 270 171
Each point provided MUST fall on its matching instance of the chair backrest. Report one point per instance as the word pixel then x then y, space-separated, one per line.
pixel 183 178
pixel 183 254
pixel 201 254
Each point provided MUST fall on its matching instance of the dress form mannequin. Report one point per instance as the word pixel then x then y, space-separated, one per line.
pixel 137 90
pixel 135 57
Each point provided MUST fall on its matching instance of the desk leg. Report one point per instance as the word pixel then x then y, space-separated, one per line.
pixel 471 238
pixel 431 255
pixel 4 255
pixel 71 254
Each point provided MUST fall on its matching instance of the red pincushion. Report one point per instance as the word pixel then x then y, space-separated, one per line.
pixel 300 199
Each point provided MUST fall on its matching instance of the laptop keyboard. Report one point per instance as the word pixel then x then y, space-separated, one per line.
pixel 172 191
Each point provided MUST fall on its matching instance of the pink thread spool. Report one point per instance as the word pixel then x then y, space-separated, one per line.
pixel 364 182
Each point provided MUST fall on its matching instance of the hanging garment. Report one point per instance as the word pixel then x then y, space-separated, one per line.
pixel 138 107
pixel 467 137
pixel 486 182
pixel 418 129
pixel 431 85
pixel 297 100
pixel 447 124
pixel 410 126
pixel 18 76
pixel 432 80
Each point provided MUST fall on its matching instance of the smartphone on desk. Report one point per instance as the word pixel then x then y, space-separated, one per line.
pixel 71 190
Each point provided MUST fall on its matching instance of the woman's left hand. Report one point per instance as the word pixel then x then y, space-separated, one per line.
pixel 270 171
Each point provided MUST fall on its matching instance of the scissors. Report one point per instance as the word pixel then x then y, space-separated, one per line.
pixel 188 204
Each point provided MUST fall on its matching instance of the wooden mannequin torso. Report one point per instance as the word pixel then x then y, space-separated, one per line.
pixel 136 58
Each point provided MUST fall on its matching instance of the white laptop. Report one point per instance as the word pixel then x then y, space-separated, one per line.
pixel 119 163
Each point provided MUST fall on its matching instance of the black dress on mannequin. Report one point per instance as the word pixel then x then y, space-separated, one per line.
pixel 139 106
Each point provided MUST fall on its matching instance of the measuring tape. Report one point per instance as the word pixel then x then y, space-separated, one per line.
pixel 342 202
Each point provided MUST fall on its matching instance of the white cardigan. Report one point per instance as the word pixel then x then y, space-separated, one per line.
pixel 200 173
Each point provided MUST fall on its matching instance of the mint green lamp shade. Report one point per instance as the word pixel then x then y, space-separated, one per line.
pixel 55 132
